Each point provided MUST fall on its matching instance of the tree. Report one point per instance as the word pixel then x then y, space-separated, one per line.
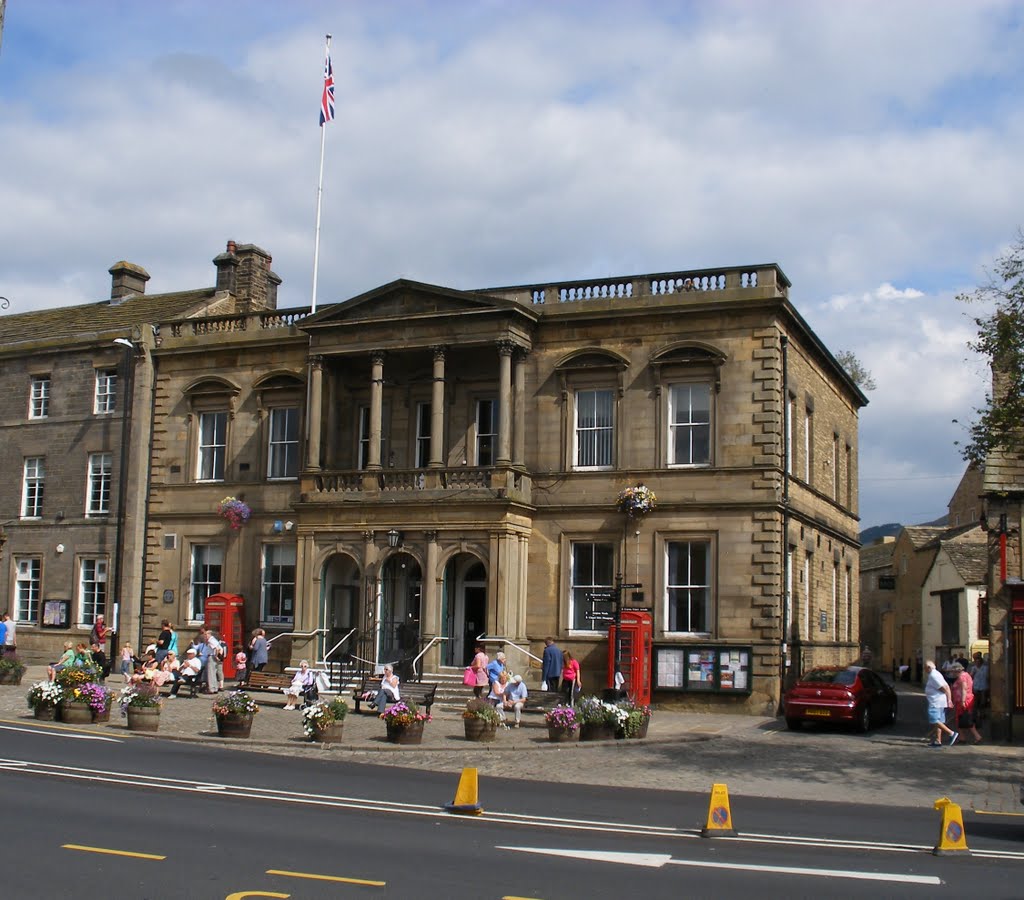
pixel 1001 340
pixel 856 370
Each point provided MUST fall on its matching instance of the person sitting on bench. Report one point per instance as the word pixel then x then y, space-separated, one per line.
pixel 388 692
pixel 188 673
pixel 303 681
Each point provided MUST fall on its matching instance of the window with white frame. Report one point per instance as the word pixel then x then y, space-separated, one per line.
pixel 592 568
pixel 595 429
pixel 39 397
pixel 808 444
pixel 689 424
pixel 283 443
pixel 27 589
pixel 207 565
pixel 92 590
pixel 422 435
pixel 808 595
pixel 688 587
pixel 278 583
pixel 486 431
pixel 32 487
pixel 106 391
pixel 100 468
pixel 212 446
pixel 364 436
pixel 835 468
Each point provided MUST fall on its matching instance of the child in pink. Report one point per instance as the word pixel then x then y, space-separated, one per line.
pixel 240 673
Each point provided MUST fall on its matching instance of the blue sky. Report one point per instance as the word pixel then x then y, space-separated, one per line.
pixel 871 149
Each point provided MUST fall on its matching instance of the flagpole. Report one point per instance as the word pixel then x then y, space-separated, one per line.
pixel 319 191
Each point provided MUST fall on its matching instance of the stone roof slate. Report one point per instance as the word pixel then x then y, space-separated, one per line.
pixel 970 560
pixel 877 556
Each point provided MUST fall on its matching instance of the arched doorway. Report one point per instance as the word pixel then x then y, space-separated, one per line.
pixel 341 580
pixel 398 620
pixel 465 607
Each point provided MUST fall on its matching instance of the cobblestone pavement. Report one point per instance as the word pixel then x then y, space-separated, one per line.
pixel 754 756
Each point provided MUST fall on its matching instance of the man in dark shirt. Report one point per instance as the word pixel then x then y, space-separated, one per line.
pixel 163 641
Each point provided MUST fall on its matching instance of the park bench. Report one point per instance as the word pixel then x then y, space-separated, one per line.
pixel 420 693
pixel 268 681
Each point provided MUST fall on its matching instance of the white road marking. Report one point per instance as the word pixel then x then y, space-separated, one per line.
pixel 657 860
pixel 63 734
pixel 492 817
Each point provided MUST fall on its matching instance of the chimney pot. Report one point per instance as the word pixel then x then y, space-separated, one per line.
pixel 127 280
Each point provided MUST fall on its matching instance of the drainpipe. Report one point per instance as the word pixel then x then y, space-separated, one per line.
pixel 784 592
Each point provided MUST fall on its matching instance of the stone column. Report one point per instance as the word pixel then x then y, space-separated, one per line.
pixel 519 428
pixel 505 349
pixel 315 412
pixel 430 611
pixel 437 411
pixel 376 408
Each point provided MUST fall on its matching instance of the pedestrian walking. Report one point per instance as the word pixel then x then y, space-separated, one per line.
pixel 939 697
pixel 551 666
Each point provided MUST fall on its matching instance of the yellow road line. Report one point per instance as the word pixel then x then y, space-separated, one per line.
pixel 988 812
pixel 112 852
pixel 315 877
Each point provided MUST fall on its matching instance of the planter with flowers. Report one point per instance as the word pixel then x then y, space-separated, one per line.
pixel 405 723
pixel 324 721
pixel 75 708
pixel 140 704
pixel 11 670
pixel 600 721
pixel 234 714
pixel 481 720
pixel 43 699
pixel 563 725
pixel 638 718
pixel 234 511
pixel 636 501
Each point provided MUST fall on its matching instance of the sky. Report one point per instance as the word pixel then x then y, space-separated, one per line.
pixel 871 149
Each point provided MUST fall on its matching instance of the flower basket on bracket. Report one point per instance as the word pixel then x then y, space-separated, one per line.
pixel 235 511
pixel 636 501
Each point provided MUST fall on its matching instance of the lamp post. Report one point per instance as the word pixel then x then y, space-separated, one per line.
pixel 122 487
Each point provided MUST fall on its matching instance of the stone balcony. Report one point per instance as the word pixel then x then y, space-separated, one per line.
pixel 470 483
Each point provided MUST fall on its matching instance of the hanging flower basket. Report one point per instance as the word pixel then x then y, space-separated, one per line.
pixel 636 501
pixel 235 511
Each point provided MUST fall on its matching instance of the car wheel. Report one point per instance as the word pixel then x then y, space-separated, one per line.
pixel 794 724
pixel 864 719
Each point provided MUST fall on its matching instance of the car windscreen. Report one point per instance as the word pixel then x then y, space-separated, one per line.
pixel 831 676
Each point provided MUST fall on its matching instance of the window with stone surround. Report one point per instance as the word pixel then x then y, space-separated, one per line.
pixel 591 382
pixel 689 424
pixel 594 434
pixel 212 446
pixel 27 589
pixel 92 590
pixel 33 486
pixel 278 605
pixel 688 587
pixel 207 565
pixel 211 403
pixel 423 425
pixel 39 397
pixel 591 570
pixel 283 443
pixel 106 391
pixel 98 494
pixel 485 438
pixel 687 376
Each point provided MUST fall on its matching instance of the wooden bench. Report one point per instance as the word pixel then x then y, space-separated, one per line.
pixel 268 681
pixel 542 701
pixel 420 693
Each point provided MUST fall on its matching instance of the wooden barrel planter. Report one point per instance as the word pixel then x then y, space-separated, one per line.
pixel 143 718
pixel 329 734
pixel 234 725
pixel 405 734
pixel 480 731
pixel 76 713
pixel 101 715
pixel 11 677
pixel 45 711
pixel 559 735
pixel 601 731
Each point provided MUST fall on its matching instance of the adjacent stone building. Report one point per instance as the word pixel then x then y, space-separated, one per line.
pixel 427 466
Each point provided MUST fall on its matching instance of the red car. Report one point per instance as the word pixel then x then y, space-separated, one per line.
pixel 847 694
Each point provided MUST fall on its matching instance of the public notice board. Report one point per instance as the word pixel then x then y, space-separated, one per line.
pixel 705 668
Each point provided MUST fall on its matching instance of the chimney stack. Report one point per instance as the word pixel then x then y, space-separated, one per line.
pixel 243 270
pixel 127 280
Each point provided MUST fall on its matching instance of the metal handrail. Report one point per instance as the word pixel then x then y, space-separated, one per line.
pixel 430 644
pixel 310 634
pixel 501 640
pixel 327 655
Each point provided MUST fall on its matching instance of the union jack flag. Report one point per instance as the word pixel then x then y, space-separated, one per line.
pixel 327 99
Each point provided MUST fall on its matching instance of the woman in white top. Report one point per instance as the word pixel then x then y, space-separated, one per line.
pixel 497 695
pixel 304 679
pixel 388 692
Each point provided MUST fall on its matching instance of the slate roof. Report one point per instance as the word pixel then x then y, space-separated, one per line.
pixel 84 322
pixel 970 559
pixel 877 556
pixel 920 535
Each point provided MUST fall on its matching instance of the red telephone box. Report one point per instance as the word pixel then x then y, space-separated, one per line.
pixel 225 614
pixel 637 640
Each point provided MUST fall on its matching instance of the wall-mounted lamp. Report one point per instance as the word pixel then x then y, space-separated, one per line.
pixel 394 538
pixel 59 548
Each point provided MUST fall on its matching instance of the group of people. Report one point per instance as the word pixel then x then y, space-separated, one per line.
pixel 958 693
pixel 560 671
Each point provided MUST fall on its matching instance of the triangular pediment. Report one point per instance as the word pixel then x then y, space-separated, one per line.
pixel 404 299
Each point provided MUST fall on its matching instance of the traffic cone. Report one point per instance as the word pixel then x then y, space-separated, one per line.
pixel 467 795
pixel 952 838
pixel 719 818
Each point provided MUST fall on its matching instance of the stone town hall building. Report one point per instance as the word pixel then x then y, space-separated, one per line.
pixel 426 465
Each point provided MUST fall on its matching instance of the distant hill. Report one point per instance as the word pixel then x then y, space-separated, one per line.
pixel 872 534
